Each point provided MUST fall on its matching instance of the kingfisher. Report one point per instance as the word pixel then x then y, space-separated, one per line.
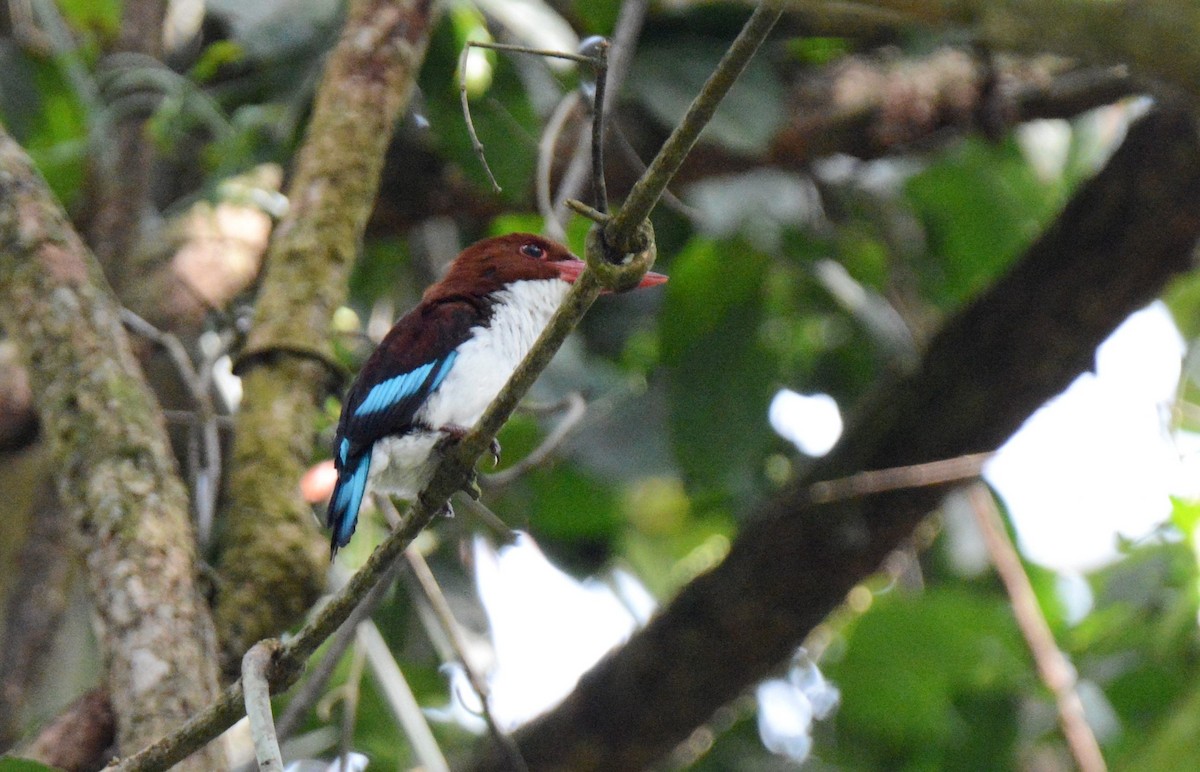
pixel 442 364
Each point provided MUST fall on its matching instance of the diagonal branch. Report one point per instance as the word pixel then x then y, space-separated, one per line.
pixel 1119 240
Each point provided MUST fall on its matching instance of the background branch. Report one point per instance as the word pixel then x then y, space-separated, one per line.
pixel 117 476
pixel 1052 665
pixel 1117 243
pixel 1154 37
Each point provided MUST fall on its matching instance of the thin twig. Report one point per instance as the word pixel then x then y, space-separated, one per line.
pixel 466 102
pixel 481 514
pixel 545 162
pixel 1052 665
pixel 466 108
pixel 206 469
pixel 599 189
pixel 519 49
pixel 441 610
pixel 593 214
pixel 624 39
pixel 398 695
pixel 349 698
pixel 255 665
pixel 308 694
pixel 898 477
pixel 575 409
pixel 621 232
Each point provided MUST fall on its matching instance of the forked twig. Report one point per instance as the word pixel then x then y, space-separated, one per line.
pixel 624 40
pixel 206 465
pixel 400 698
pixel 599 62
pixel 441 610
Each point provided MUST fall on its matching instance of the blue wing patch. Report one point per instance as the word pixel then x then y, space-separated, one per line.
pixel 386 395
pixel 347 494
pixel 387 409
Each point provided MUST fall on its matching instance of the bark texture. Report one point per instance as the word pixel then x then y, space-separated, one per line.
pixel 1119 240
pixel 1154 37
pixel 272 547
pixel 116 475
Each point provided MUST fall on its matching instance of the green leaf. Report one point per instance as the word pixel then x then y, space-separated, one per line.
pixel 598 17
pixel 666 77
pixel 720 375
pixel 214 57
pixel 818 50
pixel 912 666
pixel 13 764
pixel 1172 743
pixel 1185 416
pixel 42 111
pixel 1185 515
pixel 99 16
pixel 981 205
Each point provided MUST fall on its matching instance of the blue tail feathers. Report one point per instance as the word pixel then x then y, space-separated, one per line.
pixel 347 494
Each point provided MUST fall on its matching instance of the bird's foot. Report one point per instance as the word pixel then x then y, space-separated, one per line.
pixel 471 486
pixel 455 433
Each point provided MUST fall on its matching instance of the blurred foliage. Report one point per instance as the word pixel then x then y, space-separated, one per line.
pixel 21 765
pixel 675 447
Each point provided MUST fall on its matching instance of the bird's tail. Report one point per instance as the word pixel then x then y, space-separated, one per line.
pixel 347 495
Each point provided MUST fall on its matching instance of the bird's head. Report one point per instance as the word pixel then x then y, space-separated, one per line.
pixel 490 265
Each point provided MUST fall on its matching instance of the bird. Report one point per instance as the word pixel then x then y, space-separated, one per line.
pixel 440 366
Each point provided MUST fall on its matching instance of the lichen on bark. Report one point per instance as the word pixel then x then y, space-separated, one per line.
pixel 115 472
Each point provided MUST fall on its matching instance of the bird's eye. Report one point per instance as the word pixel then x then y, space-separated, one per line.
pixel 533 250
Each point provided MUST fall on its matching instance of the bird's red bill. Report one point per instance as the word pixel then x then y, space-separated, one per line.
pixel 570 270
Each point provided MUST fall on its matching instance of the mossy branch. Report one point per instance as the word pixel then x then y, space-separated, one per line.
pixel 270 547
pixel 115 471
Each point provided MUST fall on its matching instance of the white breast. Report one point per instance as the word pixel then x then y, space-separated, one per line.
pixel 401 465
